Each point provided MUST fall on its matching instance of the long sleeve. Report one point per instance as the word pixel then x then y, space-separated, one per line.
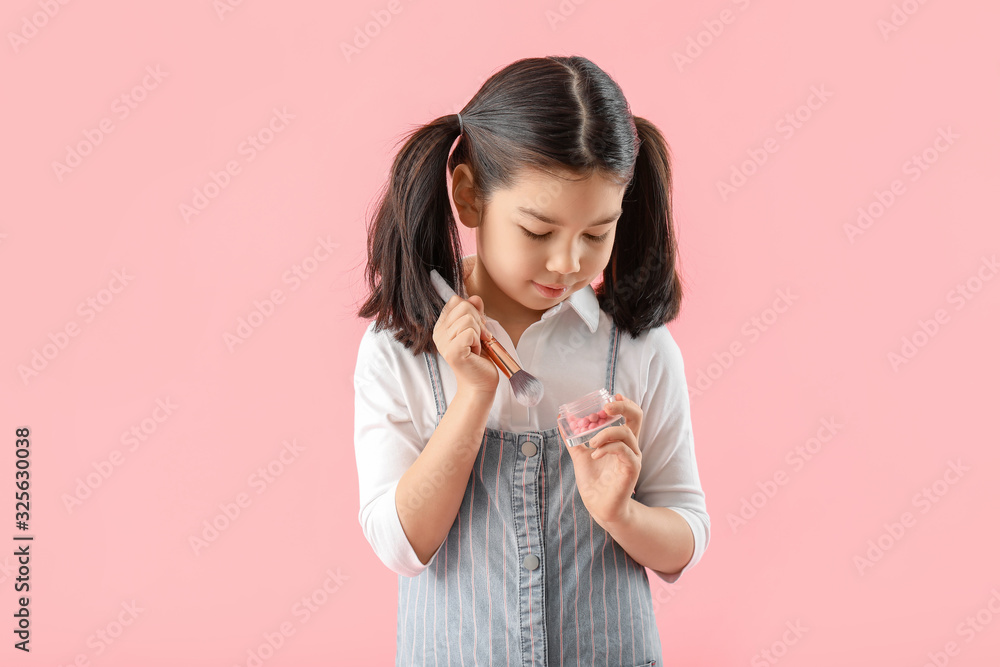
pixel 386 443
pixel 669 474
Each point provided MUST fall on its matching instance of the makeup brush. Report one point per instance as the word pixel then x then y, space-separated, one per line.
pixel 527 389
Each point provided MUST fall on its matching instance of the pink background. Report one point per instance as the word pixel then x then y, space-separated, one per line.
pixel 162 335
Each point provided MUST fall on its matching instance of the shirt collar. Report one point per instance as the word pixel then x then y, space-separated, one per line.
pixel 584 302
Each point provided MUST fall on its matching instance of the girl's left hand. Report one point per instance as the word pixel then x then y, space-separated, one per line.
pixel 606 473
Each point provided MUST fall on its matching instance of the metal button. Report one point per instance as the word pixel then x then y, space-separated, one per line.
pixel 531 562
pixel 529 448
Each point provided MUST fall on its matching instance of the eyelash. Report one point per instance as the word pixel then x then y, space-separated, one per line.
pixel 589 237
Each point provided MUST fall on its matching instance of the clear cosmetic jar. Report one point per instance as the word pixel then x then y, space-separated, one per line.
pixel 580 420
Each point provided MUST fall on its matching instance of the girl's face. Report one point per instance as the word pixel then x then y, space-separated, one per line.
pixel 539 241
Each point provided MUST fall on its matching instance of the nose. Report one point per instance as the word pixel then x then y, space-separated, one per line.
pixel 564 260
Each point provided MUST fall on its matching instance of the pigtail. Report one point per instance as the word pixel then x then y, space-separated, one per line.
pixel 412 232
pixel 555 114
pixel 641 288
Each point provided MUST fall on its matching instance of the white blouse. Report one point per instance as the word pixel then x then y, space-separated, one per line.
pixel 566 350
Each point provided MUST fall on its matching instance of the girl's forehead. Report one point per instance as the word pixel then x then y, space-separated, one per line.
pixel 531 176
pixel 540 190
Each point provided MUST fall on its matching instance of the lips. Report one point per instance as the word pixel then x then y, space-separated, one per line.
pixel 550 291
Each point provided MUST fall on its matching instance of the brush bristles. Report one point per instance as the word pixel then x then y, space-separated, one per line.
pixel 527 389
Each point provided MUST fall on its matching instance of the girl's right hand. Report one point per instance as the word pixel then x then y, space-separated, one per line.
pixel 457 337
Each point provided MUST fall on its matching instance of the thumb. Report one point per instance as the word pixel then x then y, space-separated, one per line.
pixel 477 301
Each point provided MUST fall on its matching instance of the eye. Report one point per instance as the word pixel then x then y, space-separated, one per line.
pixel 597 239
pixel 589 237
pixel 534 236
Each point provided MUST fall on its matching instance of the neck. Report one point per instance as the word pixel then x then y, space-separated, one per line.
pixel 511 315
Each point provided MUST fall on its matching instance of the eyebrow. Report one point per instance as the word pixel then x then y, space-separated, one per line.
pixel 548 220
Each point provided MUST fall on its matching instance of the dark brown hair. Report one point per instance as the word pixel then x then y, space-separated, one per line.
pixel 556 114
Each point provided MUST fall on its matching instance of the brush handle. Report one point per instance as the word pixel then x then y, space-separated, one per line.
pixel 494 350
pixel 504 362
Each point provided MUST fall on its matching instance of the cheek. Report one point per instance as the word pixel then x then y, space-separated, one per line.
pixel 599 255
pixel 597 260
pixel 525 261
pixel 525 251
pixel 522 258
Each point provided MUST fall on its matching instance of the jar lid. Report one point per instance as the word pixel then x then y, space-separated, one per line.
pixel 596 397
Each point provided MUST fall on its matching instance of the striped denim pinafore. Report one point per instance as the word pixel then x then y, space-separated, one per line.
pixel 525 576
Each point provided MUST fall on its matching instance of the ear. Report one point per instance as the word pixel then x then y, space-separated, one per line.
pixel 462 192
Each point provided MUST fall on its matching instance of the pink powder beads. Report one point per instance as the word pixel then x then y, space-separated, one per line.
pixel 581 419
pixel 587 422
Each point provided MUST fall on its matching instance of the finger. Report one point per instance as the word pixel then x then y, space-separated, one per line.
pixel 450 305
pixel 617 449
pixel 609 434
pixel 469 338
pixel 614 434
pixel 463 321
pixel 609 447
pixel 627 408
pixel 622 405
pixel 477 301
pixel 460 308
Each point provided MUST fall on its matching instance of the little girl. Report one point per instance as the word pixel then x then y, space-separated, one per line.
pixel 512 548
